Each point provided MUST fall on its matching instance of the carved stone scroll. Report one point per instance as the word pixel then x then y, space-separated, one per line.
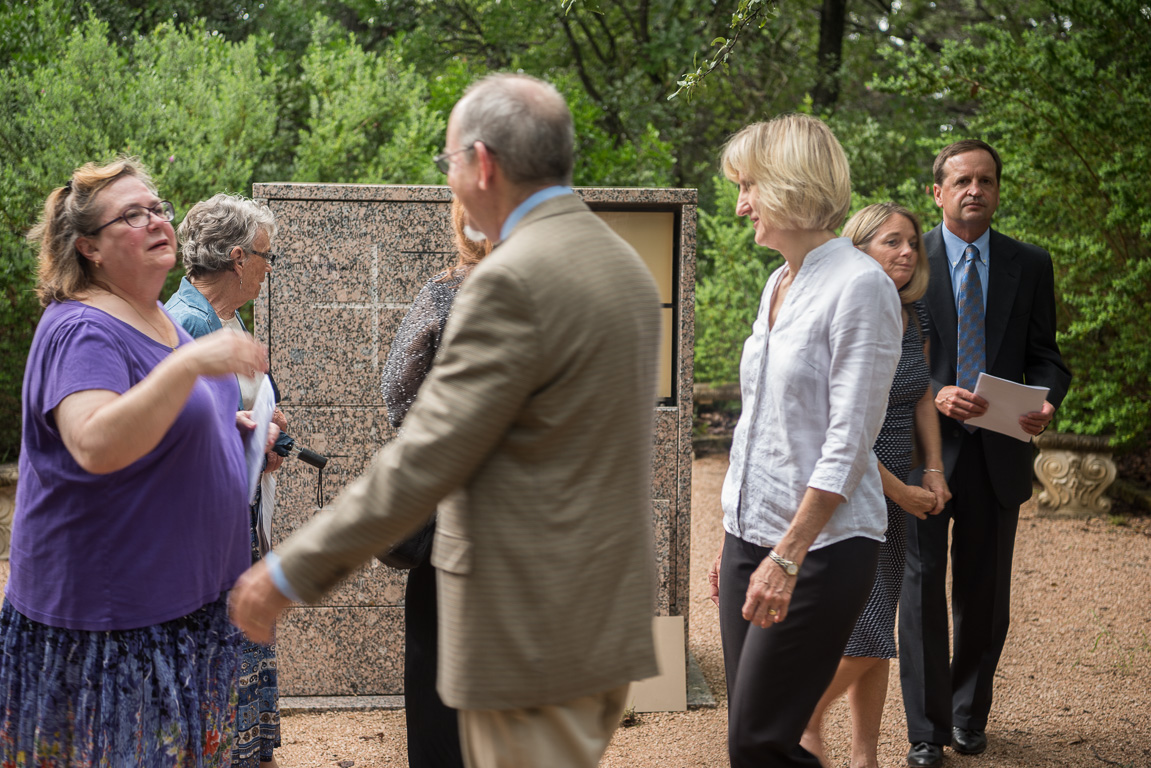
pixel 1075 470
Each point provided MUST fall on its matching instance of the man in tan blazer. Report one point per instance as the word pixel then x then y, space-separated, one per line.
pixel 534 430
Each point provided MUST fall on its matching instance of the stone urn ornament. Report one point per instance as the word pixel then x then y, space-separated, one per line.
pixel 1075 470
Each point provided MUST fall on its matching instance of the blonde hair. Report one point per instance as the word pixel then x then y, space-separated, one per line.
pixel 71 212
pixel 865 224
pixel 799 170
pixel 470 251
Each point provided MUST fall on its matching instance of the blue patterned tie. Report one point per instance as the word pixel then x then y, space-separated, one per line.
pixel 971 349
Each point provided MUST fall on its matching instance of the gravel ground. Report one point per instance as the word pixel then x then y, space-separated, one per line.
pixel 1074 684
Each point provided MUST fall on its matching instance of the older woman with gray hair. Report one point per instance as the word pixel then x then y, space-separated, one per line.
pixel 226 243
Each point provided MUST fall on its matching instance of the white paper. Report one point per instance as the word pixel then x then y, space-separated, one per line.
pixel 256 441
pixel 1006 402
pixel 267 506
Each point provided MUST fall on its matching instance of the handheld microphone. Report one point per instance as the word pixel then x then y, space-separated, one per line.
pixel 285 446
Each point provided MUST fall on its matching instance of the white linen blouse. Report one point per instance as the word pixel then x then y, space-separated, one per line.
pixel 814 392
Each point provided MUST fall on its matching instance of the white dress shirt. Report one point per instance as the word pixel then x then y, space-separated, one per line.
pixel 814 392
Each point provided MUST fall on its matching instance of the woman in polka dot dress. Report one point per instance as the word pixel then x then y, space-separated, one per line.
pixel 892 236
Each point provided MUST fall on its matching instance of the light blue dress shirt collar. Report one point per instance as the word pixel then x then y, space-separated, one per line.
pixel 955 246
pixel 521 210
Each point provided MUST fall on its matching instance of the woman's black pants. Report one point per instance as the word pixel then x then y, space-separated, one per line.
pixel 776 676
pixel 433 729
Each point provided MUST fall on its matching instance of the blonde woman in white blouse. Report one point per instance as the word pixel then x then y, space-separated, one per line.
pixel 803 502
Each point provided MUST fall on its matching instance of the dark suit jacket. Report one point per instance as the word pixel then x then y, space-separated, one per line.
pixel 1021 346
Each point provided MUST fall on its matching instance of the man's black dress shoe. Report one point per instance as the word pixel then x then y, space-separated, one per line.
pixel 968 741
pixel 924 755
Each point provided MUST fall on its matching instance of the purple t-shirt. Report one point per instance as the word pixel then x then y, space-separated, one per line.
pixel 145 544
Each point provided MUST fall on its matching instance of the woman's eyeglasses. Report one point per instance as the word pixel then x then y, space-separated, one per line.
pixel 137 215
pixel 267 256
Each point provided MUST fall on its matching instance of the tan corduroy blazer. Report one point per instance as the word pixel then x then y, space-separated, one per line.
pixel 535 429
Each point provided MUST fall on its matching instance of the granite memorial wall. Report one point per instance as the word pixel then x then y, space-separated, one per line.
pixel 354 257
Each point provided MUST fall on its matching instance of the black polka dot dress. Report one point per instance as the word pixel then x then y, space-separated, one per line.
pixel 874 633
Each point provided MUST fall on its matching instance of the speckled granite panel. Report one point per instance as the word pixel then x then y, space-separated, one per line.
pixel 348 651
pixel 638 197
pixel 327 193
pixel 355 257
pixel 663 536
pixel 372 193
pixel 664 454
pixel 294 705
pixel 349 437
pixel 681 557
pixel 666 472
pixel 351 272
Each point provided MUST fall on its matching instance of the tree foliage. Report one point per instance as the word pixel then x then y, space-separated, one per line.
pixel 194 107
pixel 1065 102
pixel 369 117
pixel 728 289
pixel 215 96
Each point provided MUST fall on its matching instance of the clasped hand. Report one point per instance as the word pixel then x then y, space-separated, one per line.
pixel 959 403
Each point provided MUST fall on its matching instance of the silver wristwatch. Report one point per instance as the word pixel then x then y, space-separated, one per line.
pixel 789 567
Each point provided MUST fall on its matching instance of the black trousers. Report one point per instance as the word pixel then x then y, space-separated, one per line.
pixel 942 690
pixel 433 728
pixel 776 676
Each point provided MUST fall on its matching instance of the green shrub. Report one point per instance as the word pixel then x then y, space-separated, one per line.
pixel 195 108
pixel 1065 103
pixel 733 273
pixel 369 119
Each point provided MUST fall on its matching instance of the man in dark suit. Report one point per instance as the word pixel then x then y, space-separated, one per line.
pixel 991 301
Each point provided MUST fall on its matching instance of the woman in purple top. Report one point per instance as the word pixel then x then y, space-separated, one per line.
pixel 131 513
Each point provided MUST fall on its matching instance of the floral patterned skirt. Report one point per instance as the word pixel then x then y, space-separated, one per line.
pixel 258 711
pixel 162 696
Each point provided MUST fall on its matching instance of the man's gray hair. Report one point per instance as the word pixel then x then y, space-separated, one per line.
pixel 525 122
pixel 217 225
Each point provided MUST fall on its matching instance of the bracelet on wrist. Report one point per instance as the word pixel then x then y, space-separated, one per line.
pixel 940 471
